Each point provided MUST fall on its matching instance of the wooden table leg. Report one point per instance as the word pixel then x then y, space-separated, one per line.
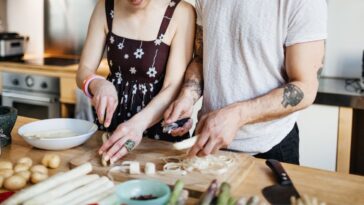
pixel 344 140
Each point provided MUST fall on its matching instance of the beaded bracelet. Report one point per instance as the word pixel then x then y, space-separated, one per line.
pixel 86 84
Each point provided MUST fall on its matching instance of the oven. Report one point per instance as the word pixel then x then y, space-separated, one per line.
pixel 34 96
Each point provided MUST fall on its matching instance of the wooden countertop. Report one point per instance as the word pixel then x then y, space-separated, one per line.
pixel 333 188
pixel 56 71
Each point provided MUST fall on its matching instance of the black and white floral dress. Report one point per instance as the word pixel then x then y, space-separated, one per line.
pixel 137 70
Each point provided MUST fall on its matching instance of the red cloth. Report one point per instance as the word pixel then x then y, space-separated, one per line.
pixel 5 195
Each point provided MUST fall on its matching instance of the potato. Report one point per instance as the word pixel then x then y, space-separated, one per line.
pixel 24 174
pixel 6 165
pixel 1 181
pixel 39 168
pixel 6 173
pixel 21 167
pixel 14 183
pixel 38 177
pixel 25 160
pixel 51 161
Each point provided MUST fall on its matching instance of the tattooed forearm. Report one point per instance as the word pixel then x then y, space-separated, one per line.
pixel 198 53
pixel 195 86
pixel 292 95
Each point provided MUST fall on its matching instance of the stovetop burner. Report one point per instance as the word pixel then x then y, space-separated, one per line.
pixel 51 61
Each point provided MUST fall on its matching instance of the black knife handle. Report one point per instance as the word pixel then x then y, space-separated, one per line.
pixel 279 171
pixel 182 122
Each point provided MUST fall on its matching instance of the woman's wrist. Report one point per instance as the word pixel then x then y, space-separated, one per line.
pixel 87 84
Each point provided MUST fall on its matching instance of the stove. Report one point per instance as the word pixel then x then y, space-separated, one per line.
pixel 50 61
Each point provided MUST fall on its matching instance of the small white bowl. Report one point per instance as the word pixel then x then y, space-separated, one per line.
pixel 82 130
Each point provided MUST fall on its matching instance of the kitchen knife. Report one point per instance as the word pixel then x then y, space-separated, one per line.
pixel 168 128
pixel 281 193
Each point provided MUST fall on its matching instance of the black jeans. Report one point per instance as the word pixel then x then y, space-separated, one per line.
pixel 287 150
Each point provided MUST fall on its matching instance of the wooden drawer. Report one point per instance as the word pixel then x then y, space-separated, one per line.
pixel 68 90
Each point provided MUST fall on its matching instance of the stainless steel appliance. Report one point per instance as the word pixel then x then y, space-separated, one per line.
pixel 65 25
pixel 11 45
pixel 33 96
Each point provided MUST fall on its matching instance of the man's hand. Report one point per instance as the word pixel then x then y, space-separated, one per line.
pixel 182 107
pixel 216 130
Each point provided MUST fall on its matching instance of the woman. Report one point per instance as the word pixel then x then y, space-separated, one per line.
pixel 149 44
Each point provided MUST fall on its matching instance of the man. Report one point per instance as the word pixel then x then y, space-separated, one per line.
pixel 256 63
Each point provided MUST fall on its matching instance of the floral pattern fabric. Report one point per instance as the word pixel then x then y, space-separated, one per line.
pixel 137 70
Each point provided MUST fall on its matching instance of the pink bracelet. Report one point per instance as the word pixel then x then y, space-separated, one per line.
pixel 86 84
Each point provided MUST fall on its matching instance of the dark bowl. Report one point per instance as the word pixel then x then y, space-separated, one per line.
pixel 8 117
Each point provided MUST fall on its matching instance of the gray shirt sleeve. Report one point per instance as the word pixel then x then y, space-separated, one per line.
pixel 307 22
pixel 198 8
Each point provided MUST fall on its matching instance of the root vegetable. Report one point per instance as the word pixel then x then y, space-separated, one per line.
pixel 96 198
pixel 14 183
pixel 90 194
pixel 185 144
pixel 149 168
pixel 24 174
pixel 183 197
pixel 19 167
pixel 1 181
pixel 39 168
pixel 51 160
pixel 6 173
pixel 209 195
pixel 241 201
pixel 25 160
pixel 110 199
pixel 224 194
pixel 6 165
pixel 37 177
pixel 178 187
pixel 133 166
pixel 89 188
pixel 62 190
pixel 50 183
pixel 104 137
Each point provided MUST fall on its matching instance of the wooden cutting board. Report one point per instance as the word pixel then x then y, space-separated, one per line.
pixel 153 151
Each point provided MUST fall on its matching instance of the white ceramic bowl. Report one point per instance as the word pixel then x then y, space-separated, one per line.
pixel 82 130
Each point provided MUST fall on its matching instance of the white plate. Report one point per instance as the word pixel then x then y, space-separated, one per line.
pixel 84 130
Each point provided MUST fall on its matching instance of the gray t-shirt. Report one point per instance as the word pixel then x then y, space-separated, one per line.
pixel 244 45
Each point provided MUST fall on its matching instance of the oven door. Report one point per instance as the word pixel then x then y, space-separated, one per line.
pixel 39 107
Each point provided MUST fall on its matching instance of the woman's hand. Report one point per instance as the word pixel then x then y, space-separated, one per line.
pixel 181 108
pixel 105 98
pixel 115 148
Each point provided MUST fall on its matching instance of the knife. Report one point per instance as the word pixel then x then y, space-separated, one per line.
pixel 168 128
pixel 281 193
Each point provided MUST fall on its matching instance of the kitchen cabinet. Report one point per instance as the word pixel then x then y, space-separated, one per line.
pixel 318 127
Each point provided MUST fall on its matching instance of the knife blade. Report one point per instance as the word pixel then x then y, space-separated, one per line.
pixel 281 193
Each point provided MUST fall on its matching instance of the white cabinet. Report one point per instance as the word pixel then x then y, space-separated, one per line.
pixel 318 126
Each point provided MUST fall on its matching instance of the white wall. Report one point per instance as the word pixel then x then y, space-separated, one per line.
pixel 345 43
pixel 26 18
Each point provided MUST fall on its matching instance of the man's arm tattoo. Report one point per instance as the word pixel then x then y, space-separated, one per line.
pixel 198 53
pixel 195 86
pixel 292 95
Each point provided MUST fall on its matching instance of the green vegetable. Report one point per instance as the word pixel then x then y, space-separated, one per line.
pixel 178 187
pixel 224 194
pixel 231 201
pixel 209 195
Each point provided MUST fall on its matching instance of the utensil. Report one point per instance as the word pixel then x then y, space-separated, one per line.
pixel 168 128
pixel 143 187
pixel 280 193
pixel 82 130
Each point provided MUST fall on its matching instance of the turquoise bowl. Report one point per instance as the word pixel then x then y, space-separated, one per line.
pixel 142 187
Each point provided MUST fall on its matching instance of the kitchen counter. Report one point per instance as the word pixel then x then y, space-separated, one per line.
pixel 334 188
pixel 333 91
